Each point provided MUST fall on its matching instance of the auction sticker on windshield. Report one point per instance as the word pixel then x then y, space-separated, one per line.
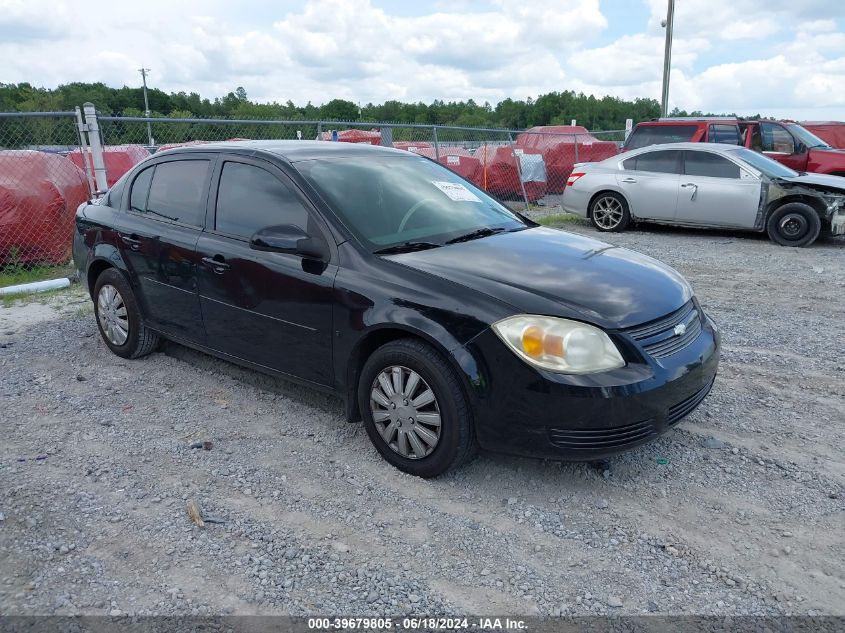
pixel 456 191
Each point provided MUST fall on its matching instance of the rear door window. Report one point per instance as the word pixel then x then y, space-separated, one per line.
pixel 250 198
pixel 663 161
pixel 178 191
pixel 646 135
pixel 724 133
pixel 708 164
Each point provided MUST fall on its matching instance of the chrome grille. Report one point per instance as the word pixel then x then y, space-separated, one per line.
pixel 659 338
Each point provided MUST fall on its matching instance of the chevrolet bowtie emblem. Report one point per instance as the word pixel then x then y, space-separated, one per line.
pixel 680 329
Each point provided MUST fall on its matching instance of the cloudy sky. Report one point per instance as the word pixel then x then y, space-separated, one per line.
pixel 779 57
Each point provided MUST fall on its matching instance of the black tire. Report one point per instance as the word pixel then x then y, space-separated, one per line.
pixel 603 218
pixel 140 340
pixel 794 224
pixel 457 443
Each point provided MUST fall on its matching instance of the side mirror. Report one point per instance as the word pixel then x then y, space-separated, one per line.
pixel 287 238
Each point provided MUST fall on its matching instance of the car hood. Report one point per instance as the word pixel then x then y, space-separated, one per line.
pixel 820 180
pixel 829 150
pixel 547 271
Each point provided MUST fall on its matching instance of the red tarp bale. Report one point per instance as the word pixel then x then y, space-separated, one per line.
pixel 500 175
pixel 557 143
pixel 373 137
pixel 39 194
pixel 411 146
pixel 831 132
pixel 118 159
pixel 458 160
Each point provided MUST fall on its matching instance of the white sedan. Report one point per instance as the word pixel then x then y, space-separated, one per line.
pixel 707 185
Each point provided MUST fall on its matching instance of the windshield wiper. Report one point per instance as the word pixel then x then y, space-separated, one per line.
pixel 407 247
pixel 477 233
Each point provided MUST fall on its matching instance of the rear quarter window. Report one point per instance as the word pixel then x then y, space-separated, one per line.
pixel 140 190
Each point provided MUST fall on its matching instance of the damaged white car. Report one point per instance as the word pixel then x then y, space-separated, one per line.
pixel 707 185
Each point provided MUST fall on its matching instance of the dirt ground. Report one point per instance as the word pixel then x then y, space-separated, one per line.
pixel 739 510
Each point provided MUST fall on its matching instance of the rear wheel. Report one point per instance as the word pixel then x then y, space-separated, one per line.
pixel 794 224
pixel 609 212
pixel 119 318
pixel 414 409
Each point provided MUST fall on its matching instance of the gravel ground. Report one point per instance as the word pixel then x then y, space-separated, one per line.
pixel 737 511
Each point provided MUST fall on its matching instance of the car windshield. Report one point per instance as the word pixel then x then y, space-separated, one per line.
pixel 388 201
pixel 764 164
pixel 809 139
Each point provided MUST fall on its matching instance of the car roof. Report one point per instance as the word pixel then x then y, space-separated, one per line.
pixel 690 122
pixel 294 151
pixel 689 145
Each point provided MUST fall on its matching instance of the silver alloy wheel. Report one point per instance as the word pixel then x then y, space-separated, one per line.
pixel 111 311
pixel 608 212
pixel 405 412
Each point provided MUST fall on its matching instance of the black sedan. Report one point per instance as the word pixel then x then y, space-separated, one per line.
pixel 445 320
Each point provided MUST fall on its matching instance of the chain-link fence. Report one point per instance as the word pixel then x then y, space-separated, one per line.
pixel 40 189
pixel 47 167
pixel 527 169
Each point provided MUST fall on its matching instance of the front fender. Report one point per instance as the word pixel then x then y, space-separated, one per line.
pixel 398 323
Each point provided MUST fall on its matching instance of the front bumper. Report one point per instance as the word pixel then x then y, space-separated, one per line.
pixel 837 222
pixel 525 411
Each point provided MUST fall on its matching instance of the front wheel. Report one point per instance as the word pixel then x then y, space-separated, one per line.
pixel 119 318
pixel 414 409
pixel 609 212
pixel 794 224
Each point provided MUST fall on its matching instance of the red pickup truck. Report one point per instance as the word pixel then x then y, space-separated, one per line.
pixel 794 146
pixel 784 141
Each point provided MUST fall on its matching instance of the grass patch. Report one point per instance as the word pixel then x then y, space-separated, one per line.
pixel 30 297
pixel 561 218
pixel 15 274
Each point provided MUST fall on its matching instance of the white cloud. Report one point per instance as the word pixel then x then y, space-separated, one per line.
pixel 738 19
pixel 727 54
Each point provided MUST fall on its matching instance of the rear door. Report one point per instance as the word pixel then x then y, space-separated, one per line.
pixel 716 191
pixel 272 309
pixel 650 182
pixel 157 235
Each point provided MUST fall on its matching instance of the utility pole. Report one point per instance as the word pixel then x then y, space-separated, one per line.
pixel 667 58
pixel 144 72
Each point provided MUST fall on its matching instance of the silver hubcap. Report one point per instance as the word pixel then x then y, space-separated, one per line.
pixel 111 311
pixel 405 412
pixel 607 212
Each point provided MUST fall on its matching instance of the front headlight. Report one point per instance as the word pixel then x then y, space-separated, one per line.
pixel 560 345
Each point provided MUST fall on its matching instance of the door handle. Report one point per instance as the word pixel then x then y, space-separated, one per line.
pixel 629 179
pixel 132 241
pixel 694 188
pixel 219 266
